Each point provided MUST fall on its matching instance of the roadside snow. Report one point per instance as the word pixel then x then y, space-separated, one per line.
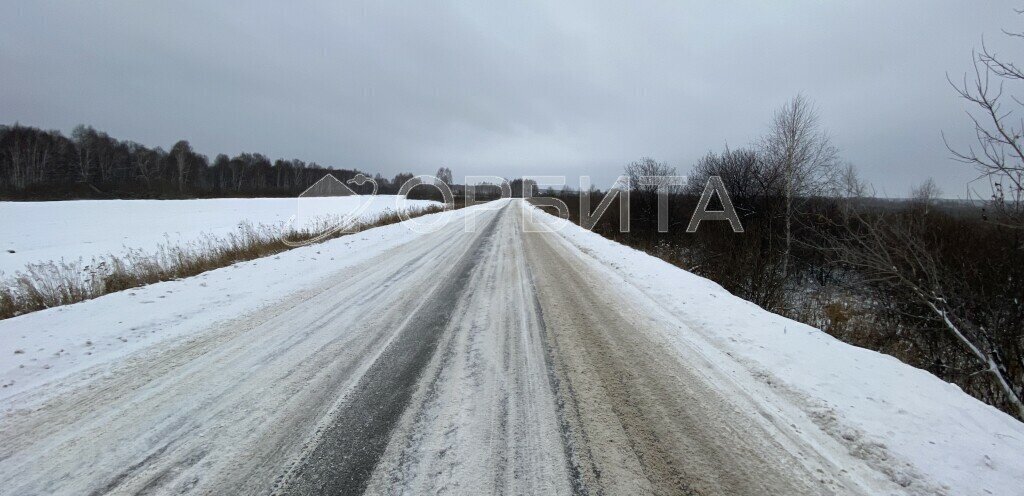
pixel 924 433
pixel 35 232
pixel 49 345
pixel 920 431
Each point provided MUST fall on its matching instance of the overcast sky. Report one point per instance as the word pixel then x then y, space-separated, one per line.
pixel 506 88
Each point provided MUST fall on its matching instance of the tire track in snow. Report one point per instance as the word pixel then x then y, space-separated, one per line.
pixel 490 363
pixel 224 410
pixel 346 453
pixel 575 443
pixel 484 419
pixel 650 423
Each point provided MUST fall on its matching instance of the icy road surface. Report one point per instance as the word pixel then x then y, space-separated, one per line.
pixel 499 361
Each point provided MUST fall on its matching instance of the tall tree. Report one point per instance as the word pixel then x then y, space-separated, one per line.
pixel 646 178
pixel 401 179
pixel 444 174
pixel 805 155
pixel 182 155
pixel 998 155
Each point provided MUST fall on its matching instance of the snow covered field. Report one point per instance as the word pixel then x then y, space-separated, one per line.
pixel 35 232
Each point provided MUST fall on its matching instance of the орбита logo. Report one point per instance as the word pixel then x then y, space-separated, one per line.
pixel 327 208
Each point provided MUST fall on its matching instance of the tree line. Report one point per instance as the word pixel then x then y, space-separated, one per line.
pixel 41 164
pixel 932 282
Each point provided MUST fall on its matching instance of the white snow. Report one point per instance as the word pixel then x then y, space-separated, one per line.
pixel 35 232
pixel 926 434
pixel 922 432
pixel 48 345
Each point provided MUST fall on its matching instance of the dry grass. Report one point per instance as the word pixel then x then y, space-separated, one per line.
pixel 51 284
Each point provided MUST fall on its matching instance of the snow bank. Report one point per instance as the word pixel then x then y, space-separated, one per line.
pixel 52 344
pixel 924 433
pixel 36 232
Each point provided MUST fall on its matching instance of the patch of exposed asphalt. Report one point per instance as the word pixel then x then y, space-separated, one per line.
pixel 483 420
pixel 350 447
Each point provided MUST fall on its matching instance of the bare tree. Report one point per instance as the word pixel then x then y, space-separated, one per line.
pixel 83 149
pixel 641 171
pixel 804 154
pixel 28 156
pixel 444 174
pixel 105 152
pixel 999 153
pixel 646 176
pixel 181 151
pixel 401 178
pixel 850 185
pixel 923 196
pixel 145 161
pixel 745 174
pixel 894 253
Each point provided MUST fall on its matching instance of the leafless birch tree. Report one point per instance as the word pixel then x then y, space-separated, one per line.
pixel 805 155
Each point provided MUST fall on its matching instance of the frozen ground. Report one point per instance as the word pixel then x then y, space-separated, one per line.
pixel 36 232
pixel 453 362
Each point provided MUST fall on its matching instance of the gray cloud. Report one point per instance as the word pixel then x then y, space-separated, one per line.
pixel 505 88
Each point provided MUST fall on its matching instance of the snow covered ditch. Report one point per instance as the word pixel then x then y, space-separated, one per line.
pixel 76 232
pixel 925 434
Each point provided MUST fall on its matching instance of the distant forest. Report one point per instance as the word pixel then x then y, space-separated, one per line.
pixel 46 165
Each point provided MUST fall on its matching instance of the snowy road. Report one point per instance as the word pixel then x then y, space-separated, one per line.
pixel 498 361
